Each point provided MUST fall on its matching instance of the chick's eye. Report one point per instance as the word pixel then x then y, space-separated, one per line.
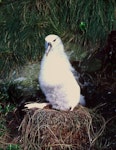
pixel 54 40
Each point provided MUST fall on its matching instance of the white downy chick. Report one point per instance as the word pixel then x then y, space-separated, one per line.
pixel 56 78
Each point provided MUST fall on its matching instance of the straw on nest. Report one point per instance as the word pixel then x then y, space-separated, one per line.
pixel 45 129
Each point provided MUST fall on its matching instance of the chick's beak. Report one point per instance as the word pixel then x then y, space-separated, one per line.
pixel 48 48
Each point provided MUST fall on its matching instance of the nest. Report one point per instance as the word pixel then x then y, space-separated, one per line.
pixel 48 129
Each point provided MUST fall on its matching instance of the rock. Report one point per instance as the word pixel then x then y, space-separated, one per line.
pixel 23 85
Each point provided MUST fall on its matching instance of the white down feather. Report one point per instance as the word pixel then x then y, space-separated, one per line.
pixel 56 78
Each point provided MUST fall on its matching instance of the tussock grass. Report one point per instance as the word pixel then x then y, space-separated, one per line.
pixel 24 25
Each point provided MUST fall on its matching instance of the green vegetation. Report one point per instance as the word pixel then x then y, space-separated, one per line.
pixel 24 25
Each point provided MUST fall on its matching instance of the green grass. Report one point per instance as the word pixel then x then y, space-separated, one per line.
pixel 24 25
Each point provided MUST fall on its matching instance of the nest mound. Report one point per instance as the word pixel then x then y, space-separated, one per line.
pixel 48 129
